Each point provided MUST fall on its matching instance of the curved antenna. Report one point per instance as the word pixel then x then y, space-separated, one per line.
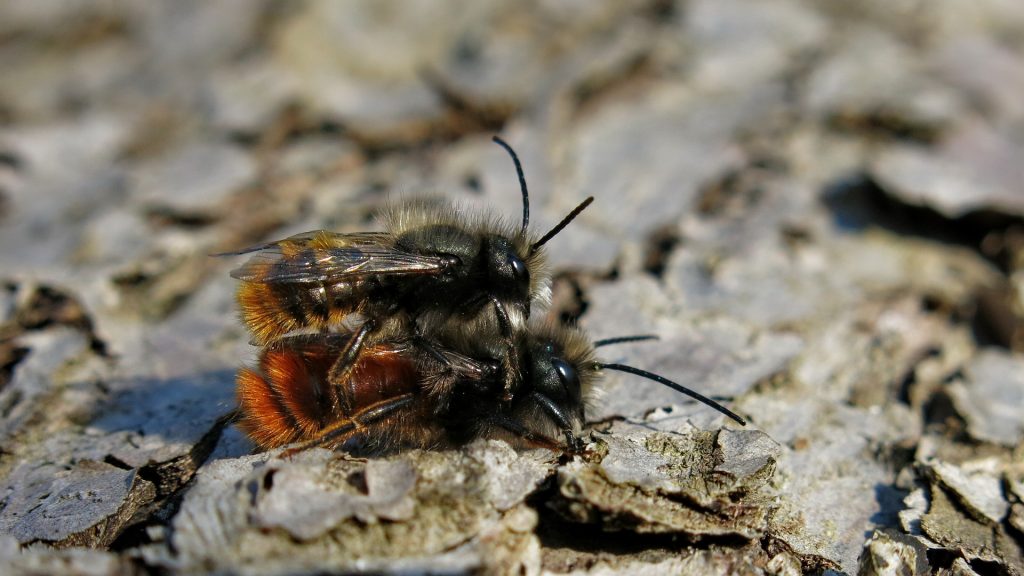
pixel 558 227
pixel 677 387
pixel 522 181
pixel 621 339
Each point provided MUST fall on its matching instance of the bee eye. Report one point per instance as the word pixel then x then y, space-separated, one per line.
pixel 450 261
pixel 519 268
pixel 566 373
pixel 492 368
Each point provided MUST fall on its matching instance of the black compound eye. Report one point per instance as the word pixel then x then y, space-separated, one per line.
pixel 566 373
pixel 491 367
pixel 449 262
pixel 519 268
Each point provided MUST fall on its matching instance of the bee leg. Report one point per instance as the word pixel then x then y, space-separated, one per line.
pixel 482 385
pixel 558 415
pixel 341 371
pixel 538 440
pixel 342 431
pixel 425 345
pixel 511 361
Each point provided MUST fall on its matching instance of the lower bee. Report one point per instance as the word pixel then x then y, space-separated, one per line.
pixel 401 394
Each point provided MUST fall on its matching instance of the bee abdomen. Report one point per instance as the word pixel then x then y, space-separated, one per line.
pixel 270 311
pixel 379 376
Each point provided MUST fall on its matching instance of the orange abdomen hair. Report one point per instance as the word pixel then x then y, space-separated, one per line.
pixel 284 400
pixel 272 310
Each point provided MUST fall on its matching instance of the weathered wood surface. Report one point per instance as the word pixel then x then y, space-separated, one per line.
pixel 819 207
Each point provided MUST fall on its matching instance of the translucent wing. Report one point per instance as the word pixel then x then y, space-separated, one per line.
pixel 322 256
pixel 463 366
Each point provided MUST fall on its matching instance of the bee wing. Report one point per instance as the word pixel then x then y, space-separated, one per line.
pixel 322 256
pixel 319 238
pixel 463 365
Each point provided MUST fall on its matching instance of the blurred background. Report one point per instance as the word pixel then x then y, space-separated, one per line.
pixel 819 206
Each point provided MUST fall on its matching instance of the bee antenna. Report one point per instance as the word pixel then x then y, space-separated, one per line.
pixel 677 387
pixel 522 180
pixel 621 339
pixel 565 222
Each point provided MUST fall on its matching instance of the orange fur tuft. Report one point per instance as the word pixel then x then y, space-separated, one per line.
pixel 263 419
pixel 262 314
pixel 298 379
pixel 265 311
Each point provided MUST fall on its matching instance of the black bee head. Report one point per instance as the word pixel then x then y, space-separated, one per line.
pixel 555 383
pixel 508 275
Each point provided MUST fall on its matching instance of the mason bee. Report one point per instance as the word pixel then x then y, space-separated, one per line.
pixel 405 395
pixel 432 258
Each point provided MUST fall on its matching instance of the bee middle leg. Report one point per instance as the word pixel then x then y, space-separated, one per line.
pixel 340 373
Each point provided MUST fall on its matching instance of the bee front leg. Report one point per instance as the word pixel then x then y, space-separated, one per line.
pixel 539 440
pixel 511 360
pixel 340 375
pixel 419 341
pixel 558 414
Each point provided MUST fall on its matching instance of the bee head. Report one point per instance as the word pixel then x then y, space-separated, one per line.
pixel 508 272
pixel 559 368
pixel 558 371
pixel 557 380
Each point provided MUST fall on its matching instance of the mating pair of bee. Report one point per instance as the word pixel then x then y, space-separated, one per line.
pixel 417 336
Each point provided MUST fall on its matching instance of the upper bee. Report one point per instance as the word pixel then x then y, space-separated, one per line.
pixel 432 259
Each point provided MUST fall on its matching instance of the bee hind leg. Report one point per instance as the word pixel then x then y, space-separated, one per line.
pixel 342 431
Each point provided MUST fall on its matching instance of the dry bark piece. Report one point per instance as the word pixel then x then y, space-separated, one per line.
pixel 195 181
pixel 33 378
pixel 975 169
pixel 695 483
pixel 889 552
pixel 306 506
pixel 991 397
pixel 421 511
pixel 977 485
pixel 1016 518
pixel 960 567
pixel 36 560
pixel 85 505
pixel 949 526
